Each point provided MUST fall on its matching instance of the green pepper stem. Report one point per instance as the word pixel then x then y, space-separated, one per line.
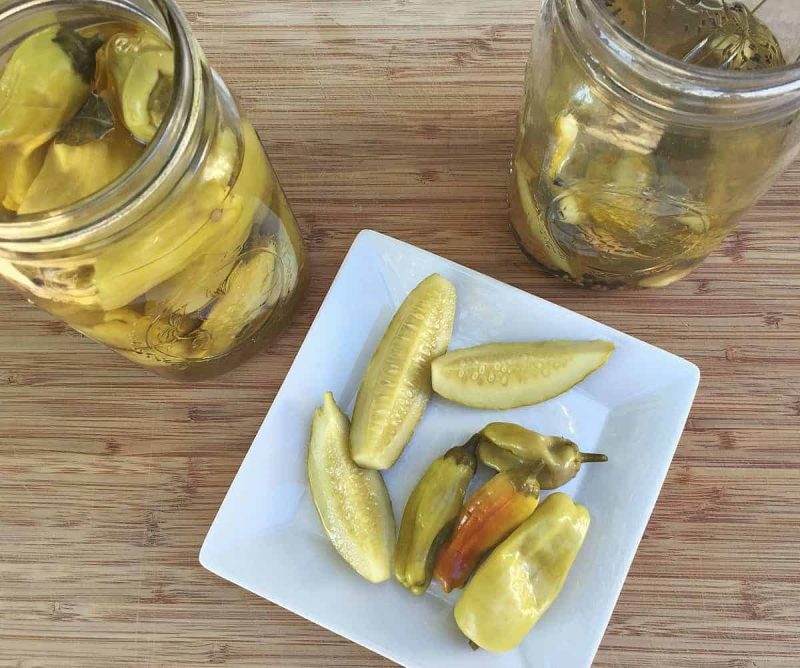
pixel 592 457
pixel 465 454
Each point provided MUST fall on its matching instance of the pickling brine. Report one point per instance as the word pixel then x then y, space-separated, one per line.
pixel 196 262
pixel 632 164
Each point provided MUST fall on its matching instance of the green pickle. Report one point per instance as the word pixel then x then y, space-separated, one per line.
pixel 607 197
pixel 190 286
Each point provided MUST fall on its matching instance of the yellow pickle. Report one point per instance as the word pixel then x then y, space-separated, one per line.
pixel 524 575
pixel 175 248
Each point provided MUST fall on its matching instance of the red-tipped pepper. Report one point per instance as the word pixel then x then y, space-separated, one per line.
pixel 488 517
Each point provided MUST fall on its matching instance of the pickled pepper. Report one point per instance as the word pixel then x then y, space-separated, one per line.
pixel 140 69
pixel 429 515
pixel 487 518
pixel 71 173
pixel 42 86
pixel 557 460
pixel 519 581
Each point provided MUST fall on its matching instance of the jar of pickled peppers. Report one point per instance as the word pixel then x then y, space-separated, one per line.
pixel 136 203
pixel 648 128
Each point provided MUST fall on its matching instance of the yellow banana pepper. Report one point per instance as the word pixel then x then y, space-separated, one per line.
pixel 519 581
pixel 44 83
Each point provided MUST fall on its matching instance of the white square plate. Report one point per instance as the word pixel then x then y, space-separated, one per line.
pixel 268 539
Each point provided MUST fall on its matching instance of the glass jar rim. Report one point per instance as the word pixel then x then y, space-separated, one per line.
pixel 666 85
pixel 110 209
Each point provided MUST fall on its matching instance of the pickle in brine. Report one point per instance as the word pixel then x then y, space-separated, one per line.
pixel 396 387
pixel 352 503
pixel 193 224
pixel 510 375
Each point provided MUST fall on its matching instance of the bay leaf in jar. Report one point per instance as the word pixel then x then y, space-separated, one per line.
pixel 93 121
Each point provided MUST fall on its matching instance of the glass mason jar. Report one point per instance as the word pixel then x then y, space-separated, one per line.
pixel 630 167
pixel 167 238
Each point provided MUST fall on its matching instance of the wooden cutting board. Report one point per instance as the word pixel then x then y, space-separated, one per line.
pixel 396 115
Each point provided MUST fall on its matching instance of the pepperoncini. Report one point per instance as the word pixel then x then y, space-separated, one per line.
pixel 488 517
pixel 429 514
pixel 70 173
pixel 140 69
pixel 42 86
pixel 557 460
pixel 167 245
pixel 519 581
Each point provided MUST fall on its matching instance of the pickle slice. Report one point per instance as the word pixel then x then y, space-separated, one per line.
pixel 396 387
pixel 510 375
pixel 352 503
pixel 565 137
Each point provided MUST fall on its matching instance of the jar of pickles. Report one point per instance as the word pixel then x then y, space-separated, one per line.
pixel 136 204
pixel 648 128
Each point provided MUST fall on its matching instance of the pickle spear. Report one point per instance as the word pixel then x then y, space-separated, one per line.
pixel 397 385
pixel 352 503
pixel 510 375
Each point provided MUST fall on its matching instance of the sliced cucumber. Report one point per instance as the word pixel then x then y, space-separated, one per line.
pixel 352 503
pixel 509 375
pixel 397 385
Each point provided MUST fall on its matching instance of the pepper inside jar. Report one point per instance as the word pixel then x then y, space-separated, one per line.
pixel 209 271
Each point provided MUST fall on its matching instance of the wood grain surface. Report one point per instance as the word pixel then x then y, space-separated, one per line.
pixel 396 115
